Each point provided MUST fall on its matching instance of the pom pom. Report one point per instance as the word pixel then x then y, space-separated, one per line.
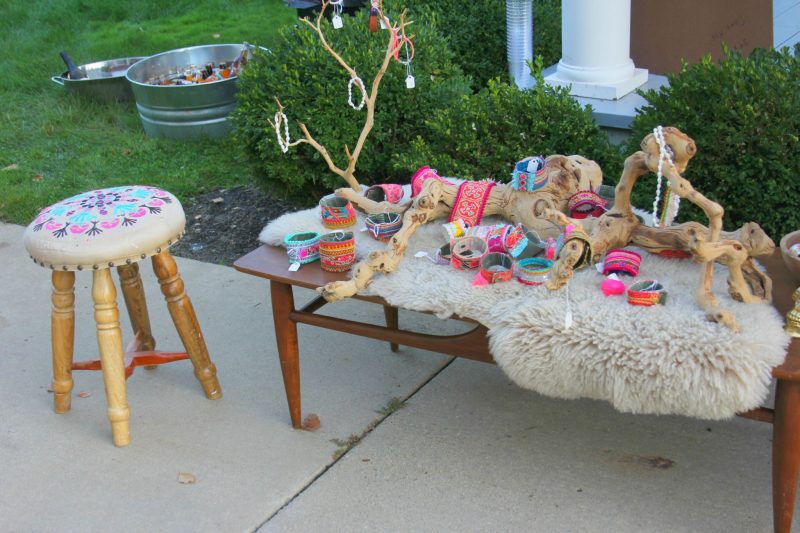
pixel 612 286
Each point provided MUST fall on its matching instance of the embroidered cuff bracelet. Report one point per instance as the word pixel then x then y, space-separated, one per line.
pixel 386 192
pixel 337 213
pixel 467 253
pixel 302 247
pixel 647 293
pixel 422 175
pixel 534 270
pixel 529 174
pixel 586 256
pixel 383 225
pixel 497 267
pixel 337 251
pixel 621 261
pixel 584 204
pixel 442 255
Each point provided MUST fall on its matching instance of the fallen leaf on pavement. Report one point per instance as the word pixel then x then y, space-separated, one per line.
pixel 311 422
pixel 185 478
pixel 84 394
pixel 218 200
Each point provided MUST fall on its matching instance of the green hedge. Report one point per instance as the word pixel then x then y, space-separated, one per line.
pixel 484 134
pixel 476 31
pixel 313 88
pixel 744 114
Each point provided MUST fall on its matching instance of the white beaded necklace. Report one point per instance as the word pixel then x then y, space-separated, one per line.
pixel 283 142
pixel 664 153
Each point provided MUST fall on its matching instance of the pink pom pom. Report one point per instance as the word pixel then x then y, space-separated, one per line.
pixel 612 286
pixel 479 280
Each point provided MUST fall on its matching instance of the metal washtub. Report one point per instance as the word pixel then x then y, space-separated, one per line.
pixel 184 111
pixel 105 80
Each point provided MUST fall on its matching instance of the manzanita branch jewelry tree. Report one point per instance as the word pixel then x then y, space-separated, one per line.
pixel 544 208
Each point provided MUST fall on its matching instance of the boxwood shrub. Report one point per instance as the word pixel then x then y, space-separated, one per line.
pixel 476 32
pixel 484 134
pixel 743 114
pixel 313 89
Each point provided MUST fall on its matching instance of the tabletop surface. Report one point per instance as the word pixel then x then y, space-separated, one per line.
pixel 270 262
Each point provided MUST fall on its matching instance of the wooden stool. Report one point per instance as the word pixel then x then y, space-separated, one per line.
pixel 98 230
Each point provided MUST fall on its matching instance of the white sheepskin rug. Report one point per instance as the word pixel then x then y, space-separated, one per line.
pixel 666 359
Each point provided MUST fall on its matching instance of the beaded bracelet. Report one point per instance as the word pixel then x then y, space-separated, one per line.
pixel 337 251
pixel 302 248
pixel 337 212
pixel 497 267
pixel 534 270
pixel 647 293
pixel 622 261
pixel 584 204
pixel 383 225
pixel 467 252
pixel 529 174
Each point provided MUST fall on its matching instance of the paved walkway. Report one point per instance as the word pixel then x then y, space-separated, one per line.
pixel 469 451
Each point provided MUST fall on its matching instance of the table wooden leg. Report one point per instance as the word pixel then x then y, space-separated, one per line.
pixel 392 322
pixel 135 302
pixel 286 336
pixel 183 315
pixel 785 453
pixel 109 341
pixel 62 337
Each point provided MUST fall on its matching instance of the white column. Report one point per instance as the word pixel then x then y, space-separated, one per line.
pixel 595 50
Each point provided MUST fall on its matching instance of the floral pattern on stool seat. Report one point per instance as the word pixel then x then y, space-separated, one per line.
pixel 105 227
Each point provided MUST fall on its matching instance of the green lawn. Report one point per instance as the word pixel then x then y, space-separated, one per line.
pixel 59 145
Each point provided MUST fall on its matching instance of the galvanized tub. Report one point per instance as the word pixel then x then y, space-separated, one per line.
pixel 105 80
pixel 184 111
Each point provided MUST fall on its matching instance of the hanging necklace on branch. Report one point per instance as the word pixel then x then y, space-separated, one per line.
pixel 337 14
pixel 283 142
pixel 669 209
pixel 360 84
pixel 402 41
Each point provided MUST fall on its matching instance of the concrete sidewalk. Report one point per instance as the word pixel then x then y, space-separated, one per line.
pixel 469 452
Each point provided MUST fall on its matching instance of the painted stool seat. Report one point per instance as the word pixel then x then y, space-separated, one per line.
pixel 105 228
pixel 98 230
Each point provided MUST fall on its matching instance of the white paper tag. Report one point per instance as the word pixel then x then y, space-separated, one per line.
pixel 599 267
pixel 383 25
pixel 410 83
pixel 363 229
pixel 294 267
pixel 337 22
pixel 421 254
pixel 568 320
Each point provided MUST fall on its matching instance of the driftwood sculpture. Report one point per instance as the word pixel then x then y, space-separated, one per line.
pixel 543 210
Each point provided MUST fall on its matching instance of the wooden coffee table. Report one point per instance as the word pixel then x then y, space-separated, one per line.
pixel 270 263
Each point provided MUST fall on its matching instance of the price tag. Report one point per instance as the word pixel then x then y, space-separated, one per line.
pixel 410 83
pixel 294 267
pixel 383 25
pixel 421 254
pixel 337 22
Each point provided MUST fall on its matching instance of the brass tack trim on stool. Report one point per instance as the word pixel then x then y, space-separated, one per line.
pixel 111 264
pixel 95 267
pixel 127 261
pixel 80 267
pixel 143 256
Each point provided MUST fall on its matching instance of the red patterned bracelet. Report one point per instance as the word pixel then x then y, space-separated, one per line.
pixel 497 267
pixel 622 261
pixel 647 293
pixel 584 204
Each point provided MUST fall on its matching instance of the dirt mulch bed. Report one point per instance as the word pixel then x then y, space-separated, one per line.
pixel 224 224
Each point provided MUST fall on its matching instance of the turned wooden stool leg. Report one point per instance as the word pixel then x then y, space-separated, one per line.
pixel 109 340
pixel 135 302
pixel 62 325
pixel 180 307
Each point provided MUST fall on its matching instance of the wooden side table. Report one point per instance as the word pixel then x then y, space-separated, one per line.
pixel 270 263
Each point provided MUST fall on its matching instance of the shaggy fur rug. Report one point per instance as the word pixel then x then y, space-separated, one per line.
pixel 666 359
